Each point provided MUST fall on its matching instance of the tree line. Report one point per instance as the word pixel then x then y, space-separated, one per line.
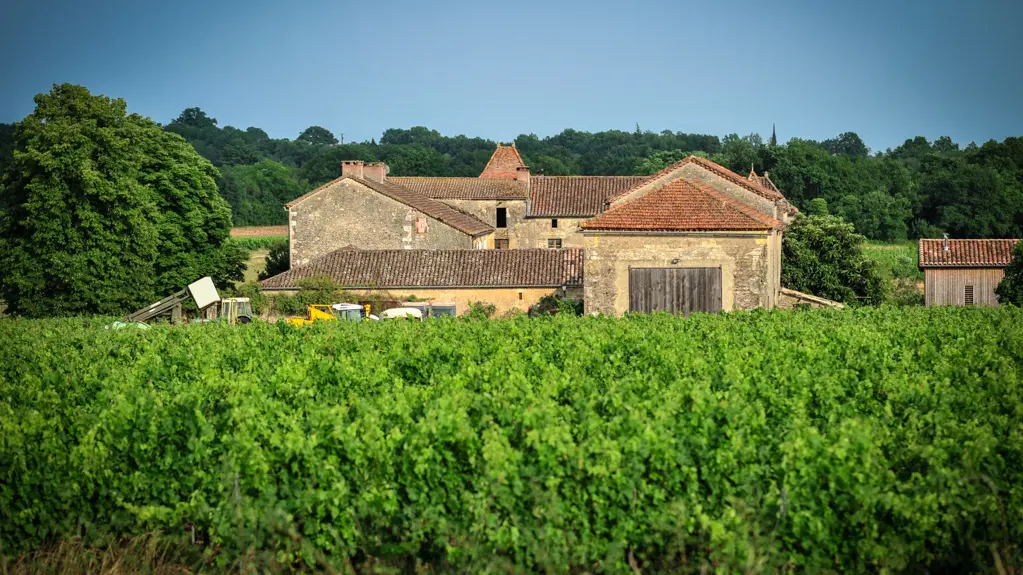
pixel 919 189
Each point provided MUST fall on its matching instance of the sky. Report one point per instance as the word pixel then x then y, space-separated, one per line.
pixel 887 70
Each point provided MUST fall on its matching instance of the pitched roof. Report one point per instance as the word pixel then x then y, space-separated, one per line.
pixel 440 268
pixel 965 253
pixel 580 196
pixel 764 181
pixel 716 169
pixel 503 163
pixel 436 210
pixel 464 188
pixel 681 205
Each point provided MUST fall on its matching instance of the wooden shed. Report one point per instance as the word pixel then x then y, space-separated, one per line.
pixel 963 272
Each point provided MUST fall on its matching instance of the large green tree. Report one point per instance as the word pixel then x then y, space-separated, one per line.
pixel 822 255
pixel 99 206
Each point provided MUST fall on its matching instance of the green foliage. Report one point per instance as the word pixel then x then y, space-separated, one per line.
pixel 867 440
pixel 251 243
pixel 552 305
pixel 895 260
pixel 480 310
pixel 1010 289
pixel 278 260
pixel 102 211
pixel 817 207
pixel 317 136
pixel 257 192
pixel 822 255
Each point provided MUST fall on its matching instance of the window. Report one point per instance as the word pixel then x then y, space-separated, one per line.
pixel 554 244
pixel 554 223
pixel 500 244
pixel 520 295
pixel 969 295
pixel 502 217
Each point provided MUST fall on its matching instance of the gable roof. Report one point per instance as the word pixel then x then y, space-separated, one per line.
pixel 716 169
pixel 965 253
pixel 436 210
pixel 681 205
pixel 764 181
pixel 440 268
pixel 504 163
pixel 464 188
pixel 579 196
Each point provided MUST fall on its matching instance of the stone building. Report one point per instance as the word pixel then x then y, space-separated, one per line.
pixel 963 272
pixel 693 237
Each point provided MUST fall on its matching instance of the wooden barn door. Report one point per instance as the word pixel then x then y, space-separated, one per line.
pixel 675 290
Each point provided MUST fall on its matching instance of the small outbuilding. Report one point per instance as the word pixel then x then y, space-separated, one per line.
pixel 963 272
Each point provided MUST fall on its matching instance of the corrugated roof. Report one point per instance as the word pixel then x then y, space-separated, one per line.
pixel 965 253
pixel 681 205
pixel 463 188
pixel 579 196
pixel 429 206
pixel 504 163
pixel 440 268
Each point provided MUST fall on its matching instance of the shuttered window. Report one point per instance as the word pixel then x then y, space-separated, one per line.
pixel 554 244
pixel 969 295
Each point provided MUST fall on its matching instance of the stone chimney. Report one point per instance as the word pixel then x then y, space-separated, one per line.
pixel 352 168
pixel 376 171
pixel 522 175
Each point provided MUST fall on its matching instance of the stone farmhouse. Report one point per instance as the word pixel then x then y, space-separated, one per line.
pixel 692 237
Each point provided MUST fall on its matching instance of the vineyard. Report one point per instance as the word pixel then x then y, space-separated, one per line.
pixel 838 441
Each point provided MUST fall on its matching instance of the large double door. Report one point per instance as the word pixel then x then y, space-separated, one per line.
pixel 675 290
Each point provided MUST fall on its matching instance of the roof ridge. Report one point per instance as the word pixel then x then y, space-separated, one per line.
pixel 714 167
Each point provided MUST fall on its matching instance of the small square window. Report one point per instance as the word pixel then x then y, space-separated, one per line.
pixel 969 295
pixel 500 244
pixel 554 244
pixel 502 217
pixel 554 223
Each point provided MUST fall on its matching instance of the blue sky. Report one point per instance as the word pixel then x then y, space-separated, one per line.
pixel 886 70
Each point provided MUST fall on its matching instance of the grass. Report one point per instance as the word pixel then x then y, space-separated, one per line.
pixel 249 243
pixel 898 260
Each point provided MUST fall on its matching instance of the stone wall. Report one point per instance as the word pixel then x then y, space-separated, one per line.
pixel 350 214
pixel 486 211
pixel 744 259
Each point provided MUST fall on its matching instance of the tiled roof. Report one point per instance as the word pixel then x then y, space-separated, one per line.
pixel 503 163
pixel 764 181
pixel 440 268
pixel 681 206
pixel 436 210
pixel 464 188
pixel 965 253
pixel 580 196
pixel 718 170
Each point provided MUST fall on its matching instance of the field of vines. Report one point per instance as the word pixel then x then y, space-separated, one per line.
pixel 869 440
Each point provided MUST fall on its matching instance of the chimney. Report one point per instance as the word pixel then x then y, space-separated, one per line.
pixel 376 171
pixel 522 175
pixel 946 241
pixel 352 168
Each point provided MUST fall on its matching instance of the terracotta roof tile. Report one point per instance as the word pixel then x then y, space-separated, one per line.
pixel 579 196
pixel 717 169
pixel 503 163
pixel 965 253
pixel 433 208
pixel 464 188
pixel 440 268
pixel 681 206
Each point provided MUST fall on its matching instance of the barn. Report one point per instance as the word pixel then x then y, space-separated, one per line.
pixel 963 272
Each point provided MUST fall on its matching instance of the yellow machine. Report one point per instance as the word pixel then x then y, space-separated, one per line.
pixel 315 312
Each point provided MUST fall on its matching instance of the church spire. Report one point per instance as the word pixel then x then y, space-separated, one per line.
pixel 774 135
